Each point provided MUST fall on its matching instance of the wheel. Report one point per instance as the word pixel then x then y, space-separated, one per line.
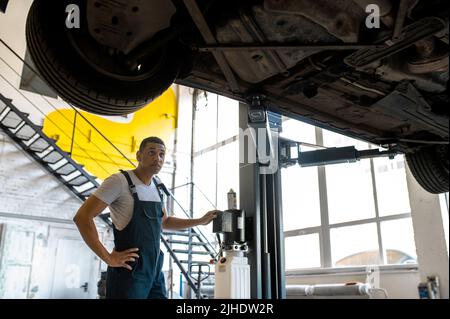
pixel 89 75
pixel 429 166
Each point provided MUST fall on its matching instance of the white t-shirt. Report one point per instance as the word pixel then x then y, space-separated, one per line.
pixel 115 192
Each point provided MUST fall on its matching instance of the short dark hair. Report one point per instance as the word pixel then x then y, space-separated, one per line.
pixel 151 139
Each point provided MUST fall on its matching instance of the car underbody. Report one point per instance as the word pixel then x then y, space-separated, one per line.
pixel 309 59
pixel 375 70
pixel 391 99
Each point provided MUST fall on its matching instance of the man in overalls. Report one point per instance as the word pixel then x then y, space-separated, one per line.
pixel 138 215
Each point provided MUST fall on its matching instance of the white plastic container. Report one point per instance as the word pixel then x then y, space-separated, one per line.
pixel 232 277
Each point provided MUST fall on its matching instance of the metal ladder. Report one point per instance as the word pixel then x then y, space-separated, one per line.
pixel 58 163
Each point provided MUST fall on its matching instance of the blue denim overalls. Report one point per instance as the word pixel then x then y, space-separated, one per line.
pixel 145 280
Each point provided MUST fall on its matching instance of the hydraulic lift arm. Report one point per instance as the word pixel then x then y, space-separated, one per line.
pixel 290 154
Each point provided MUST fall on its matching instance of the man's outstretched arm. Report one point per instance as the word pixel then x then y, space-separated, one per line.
pixel 84 219
pixel 175 223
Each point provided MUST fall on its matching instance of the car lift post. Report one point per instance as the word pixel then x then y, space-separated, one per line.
pixel 260 191
pixel 260 197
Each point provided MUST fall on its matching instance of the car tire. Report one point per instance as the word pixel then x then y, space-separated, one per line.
pixel 65 69
pixel 430 167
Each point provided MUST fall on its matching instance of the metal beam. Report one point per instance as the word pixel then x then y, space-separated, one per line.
pixel 275 235
pixel 400 19
pixel 278 46
pixel 209 38
pixel 324 233
pixel 249 195
pixel 260 197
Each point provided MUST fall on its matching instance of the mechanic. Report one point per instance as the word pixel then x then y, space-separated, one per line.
pixel 138 214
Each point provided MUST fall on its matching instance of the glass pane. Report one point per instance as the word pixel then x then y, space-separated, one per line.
pixel 205 182
pixel 350 192
pixel 392 191
pixel 301 205
pixel 354 245
pixel 302 251
pixel 300 195
pixel 183 148
pixel 205 121
pixel 228 118
pixel 398 241
pixel 298 131
pixel 227 174
pixel 349 186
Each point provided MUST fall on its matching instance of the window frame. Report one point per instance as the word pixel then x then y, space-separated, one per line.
pixel 324 229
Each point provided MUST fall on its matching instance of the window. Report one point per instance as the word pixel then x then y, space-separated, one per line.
pixel 228 115
pixel 392 192
pixel 334 216
pixel 300 194
pixel 349 192
pixel 300 186
pixel 205 126
pixel 349 187
pixel 358 213
pixel 205 188
pixel 216 153
pixel 309 247
pixel 398 241
pixel 298 131
pixel 354 240
pixel 227 172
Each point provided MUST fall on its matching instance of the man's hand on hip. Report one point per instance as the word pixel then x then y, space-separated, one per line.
pixel 120 258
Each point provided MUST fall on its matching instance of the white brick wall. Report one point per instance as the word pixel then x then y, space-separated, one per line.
pixel 27 188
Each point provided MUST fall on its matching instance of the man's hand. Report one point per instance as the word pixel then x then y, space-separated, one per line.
pixel 208 217
pixel 120 258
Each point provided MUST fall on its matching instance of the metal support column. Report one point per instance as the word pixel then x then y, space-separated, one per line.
pixel 73 134
pixel 266 285
pixel 275 235
pixel 260 197
pixel 191 197
pixel 249 195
